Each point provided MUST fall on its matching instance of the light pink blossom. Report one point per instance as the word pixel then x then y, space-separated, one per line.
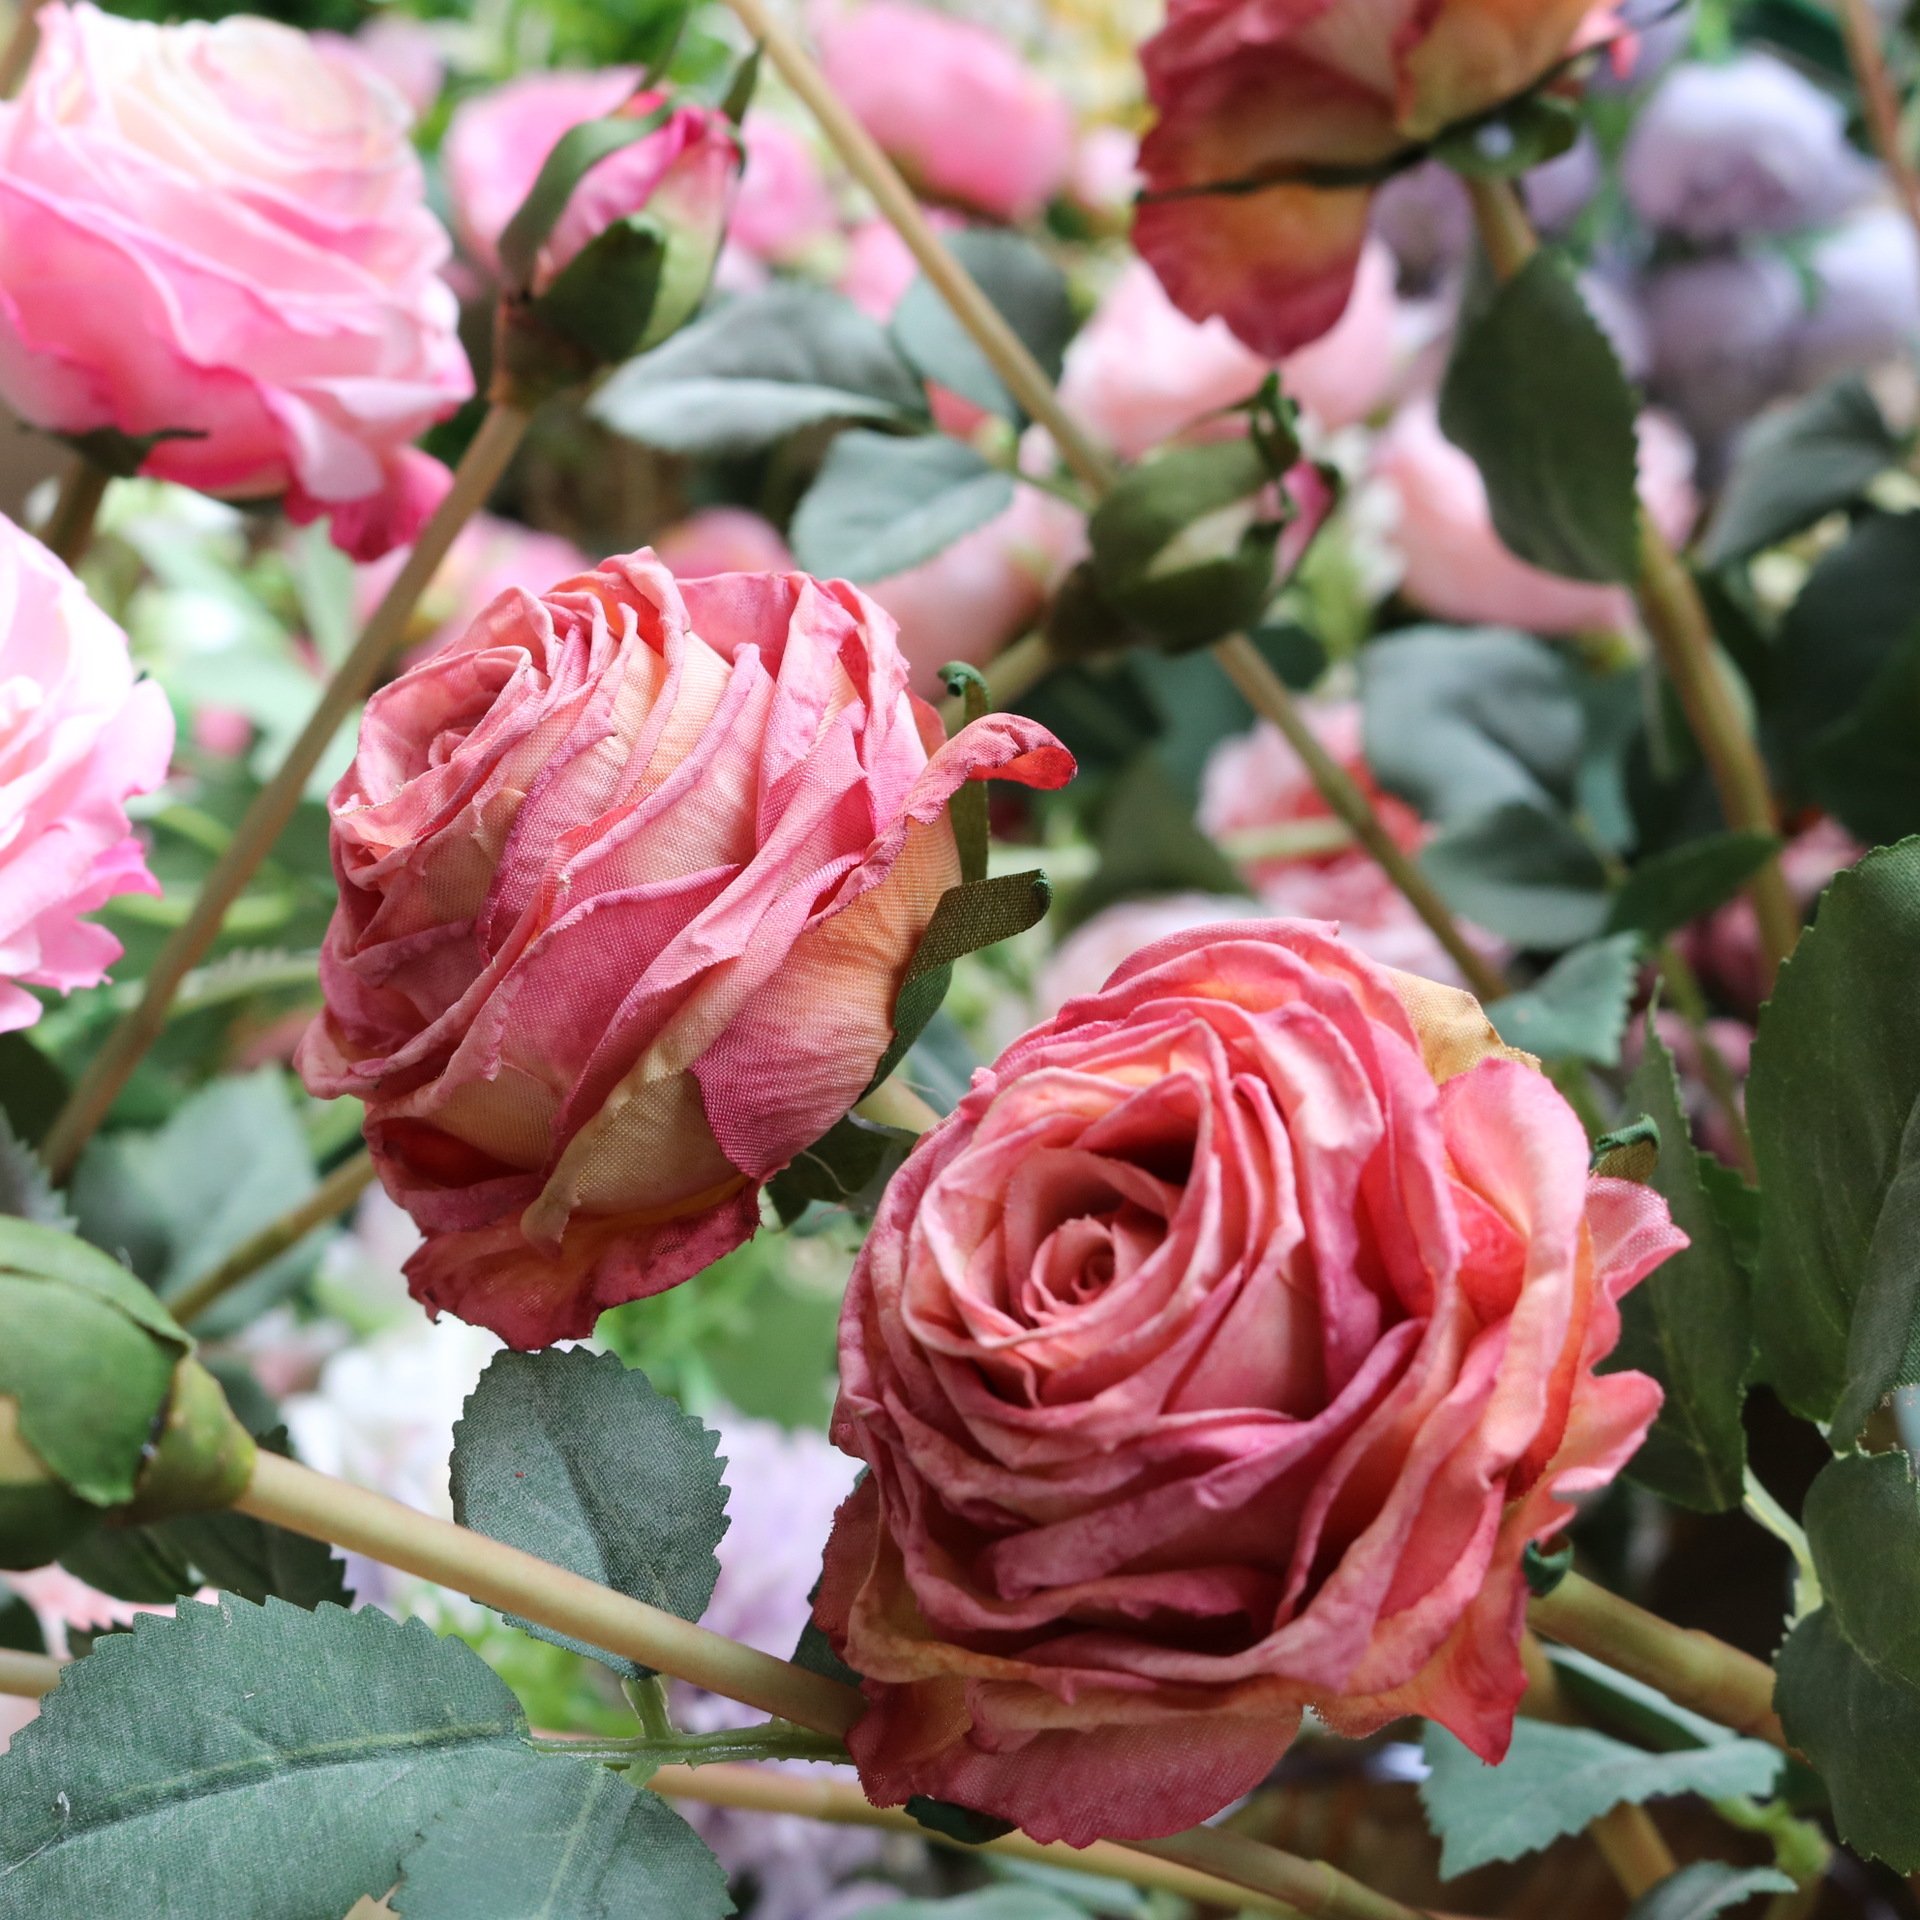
pixel 783 206
pixel 722 540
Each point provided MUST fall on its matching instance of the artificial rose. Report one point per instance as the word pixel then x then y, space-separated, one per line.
pixel 784 206
pixel 1082 963
pixel 1243 88
pixel 1457 566
pixel 955 106
pixel 629 878
pixel 77 736
pixel 221 231
pixel 1217 1357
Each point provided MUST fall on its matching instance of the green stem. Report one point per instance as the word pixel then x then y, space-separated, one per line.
pixel 1691 1005
pixel 771 1740
pixel 1761 1507
pixel 69 531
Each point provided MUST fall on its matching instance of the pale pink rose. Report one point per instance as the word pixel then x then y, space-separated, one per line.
pixel 497 143
pixel 879 269
pixel 1083 961
pixel 488 556
pixel 988 588
pixel 221 230
pixel 722 540
pixel 959 111
pixel 77 736
pixel 1218 1357
pixel 1456 566
pixel 1259 802
pixel 405 52
pixel 629 878
pixel 784 206
pixel 1344 375
pixel 1106 170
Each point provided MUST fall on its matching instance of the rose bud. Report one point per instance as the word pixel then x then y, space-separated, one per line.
pixel 218 235
pixel 79 736
pixel 1218 1357
pixel 964 117
pixel 1746 145
pixel 630 876
pixel 1243 90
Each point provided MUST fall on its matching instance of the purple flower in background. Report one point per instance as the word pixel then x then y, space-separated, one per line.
pixel 1558 192
pixel 1424 215
pixel 1722 333
pixel 1746 146
pixel 1867 305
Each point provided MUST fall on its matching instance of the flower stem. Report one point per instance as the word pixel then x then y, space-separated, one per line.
pixel 1671 608
pixel 1691 1005
pixel 332 1197
pixel 109 1069
pixel 1862 34
pixel 31 1674
pixel 1688 1666
pixel 771 1740
pixel 17 55
pixel 70 526
pixel 1633 1847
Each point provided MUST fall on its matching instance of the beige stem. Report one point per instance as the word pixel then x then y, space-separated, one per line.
pixel 1633 1847
pixel 1877 95
pixel 17 55
pixel 29 1673
pixel 895 1104
pixel 1312 1886
pixel 108 1071
pixel 332 1197
pixel 69 529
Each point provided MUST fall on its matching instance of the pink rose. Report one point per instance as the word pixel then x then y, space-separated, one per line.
pixel 1344 375
pixel 404 52
pixel 220 230
pixel 784 206
pixel 1218 1357
pixel 497 143
pixel 722 540
pixel 1082 962
pixel 77 736
pixel 961 114
pixel 1258 800
pixel 1456 565
pixel 988 588
pixel 878 270
pixel 629 878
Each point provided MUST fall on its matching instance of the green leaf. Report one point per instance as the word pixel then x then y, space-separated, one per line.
pixel 1689 1322
pixel 1555 1779
pixel 565 1840
pixel 965 1824
pixel 26 1188
pixel 758 369
pixel 1836 1069
pixel 1523 873
pixel 543 1458
pixel 1883 1339
pixel 1797 463
pixel 1578 1007
pixel 976 914
pixel 1460 721
pixel 298 1759
pixel 1865 769
pixel 845 1167
pixel 604 296
pixel 1536 396
pixel 1668 889
pixel 20 1626
pixel 1149 844
pixel 32 1088
pixel 1631 1708
pixel 1861 1730
pixel 1031 295
pixel 1862 1516
pixel 1706 1887
pixel 882 504
pixel 575 154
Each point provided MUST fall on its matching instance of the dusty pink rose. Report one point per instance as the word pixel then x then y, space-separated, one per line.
pixel 629 878
pixel 77 736
pixel 988 588
pixel 784 205
pixel 1218 1357
pixel 1082 962
pixel 1258 800
pixel 722 540
pixel 1456 565
pixel 220 230
pixel 963 116
pixel 497 143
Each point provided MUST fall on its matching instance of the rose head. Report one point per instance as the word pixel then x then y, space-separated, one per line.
pixel 1247 87
pixel 77 736
pixel 220 231
pixel 630 875
pixel 1217 1357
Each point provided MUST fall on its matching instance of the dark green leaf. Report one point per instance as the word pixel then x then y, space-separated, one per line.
pixel 32 1087
pixel 299 1757
pixel 1197 706
pixel 1536 396
pixel 1706 1887
pixel 965 1824
pixel 574 155
pixel 1861 1729
pixel 1149 844
pixel 1883 1341
pixel 1865 769
pixel 564 1840
pixel 1555 1779
pixel 604 296
pixel 1578 1007
pixel 543 1458
pixel 845 1167
pixel 815 1652
pixel 20 1626
pixel 1523 873
pixel 1796 464
pixel 1862 1516
pixel 1688 1323
pixel 1667 890
pixel 1031 295
pixel 1631 1708
pixel 881 504
pixel 1836 1070
pixel 1460 721
pixel 757 369
pixel 26 1188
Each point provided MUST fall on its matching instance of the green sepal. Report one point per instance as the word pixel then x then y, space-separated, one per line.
pixel 604 297
pixel 846 1167
pixel 970 1828
pixel 741 88
pixel 1544 1571
pixel 1520 135
pixel 123 454
pixel 1630 1152
pixel 967 809
pixel 578 151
